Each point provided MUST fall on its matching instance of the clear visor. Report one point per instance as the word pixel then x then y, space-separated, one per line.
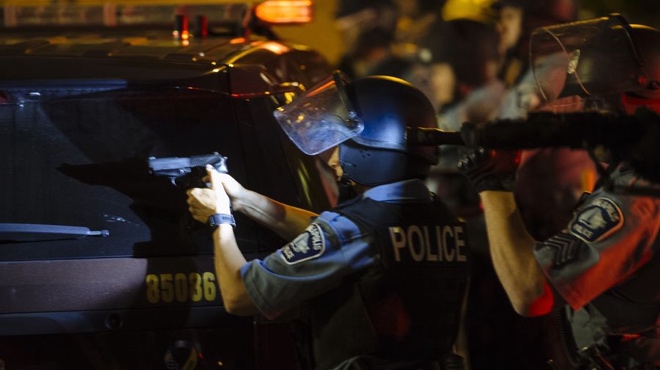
pixel 593 57
pixel 321 118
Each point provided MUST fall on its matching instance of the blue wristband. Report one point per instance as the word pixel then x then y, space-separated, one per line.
pixel 221 218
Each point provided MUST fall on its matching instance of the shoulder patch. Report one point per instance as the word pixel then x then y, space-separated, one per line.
pixel 307 246
pixel 597 220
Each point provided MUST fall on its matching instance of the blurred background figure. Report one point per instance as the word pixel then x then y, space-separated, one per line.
pixel 385 38
pixel 517 20
pixel 415 23
pixel 419 22
pixel 367 30
pixel 463 59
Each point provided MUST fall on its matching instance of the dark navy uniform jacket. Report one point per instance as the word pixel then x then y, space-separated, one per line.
pixel 382 276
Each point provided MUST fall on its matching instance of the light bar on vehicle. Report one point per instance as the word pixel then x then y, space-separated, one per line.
pixel 284 11
pixel 116 14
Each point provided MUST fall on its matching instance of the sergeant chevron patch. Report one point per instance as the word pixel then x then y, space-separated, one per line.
pixel 307 246
pixel 567 248
pixel 597 221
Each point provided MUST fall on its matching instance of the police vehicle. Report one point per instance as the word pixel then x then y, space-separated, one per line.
pixel 101 266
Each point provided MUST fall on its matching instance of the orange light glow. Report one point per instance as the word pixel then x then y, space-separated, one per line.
pixel 285 11
pixel 275 47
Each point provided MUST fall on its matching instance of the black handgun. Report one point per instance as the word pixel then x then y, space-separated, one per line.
pixel 187 171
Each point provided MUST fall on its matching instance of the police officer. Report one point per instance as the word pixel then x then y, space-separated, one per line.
pixel 600 274
pixel 380 278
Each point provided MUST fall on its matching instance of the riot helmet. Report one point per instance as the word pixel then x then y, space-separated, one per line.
pixel 596 57
pixel 368 119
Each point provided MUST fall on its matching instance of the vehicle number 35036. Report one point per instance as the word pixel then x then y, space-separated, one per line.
pixel 181 287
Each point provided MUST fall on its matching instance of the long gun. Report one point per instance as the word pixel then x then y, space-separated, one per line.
pixel 586 130
pixel 540 130
pixel 634 138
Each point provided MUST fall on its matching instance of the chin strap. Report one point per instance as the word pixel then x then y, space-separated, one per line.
pixel 346 189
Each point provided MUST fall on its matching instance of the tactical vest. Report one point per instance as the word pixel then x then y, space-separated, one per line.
pixel 619 329
pixel 408 306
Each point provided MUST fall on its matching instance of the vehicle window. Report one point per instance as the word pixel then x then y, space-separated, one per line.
pixel 81 160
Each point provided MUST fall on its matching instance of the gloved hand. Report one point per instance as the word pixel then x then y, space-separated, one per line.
pixel 490 169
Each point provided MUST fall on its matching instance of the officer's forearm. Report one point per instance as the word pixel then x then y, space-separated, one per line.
pixel 511 249
pixel 228 262
pixel 287 221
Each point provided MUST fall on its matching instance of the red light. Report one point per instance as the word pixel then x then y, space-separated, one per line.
pixel 543 304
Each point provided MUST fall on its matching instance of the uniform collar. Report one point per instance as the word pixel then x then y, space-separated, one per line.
pixel 412 190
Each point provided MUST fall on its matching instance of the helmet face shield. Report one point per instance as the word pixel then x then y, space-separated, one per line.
pixel 321 118
pixel 591 57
